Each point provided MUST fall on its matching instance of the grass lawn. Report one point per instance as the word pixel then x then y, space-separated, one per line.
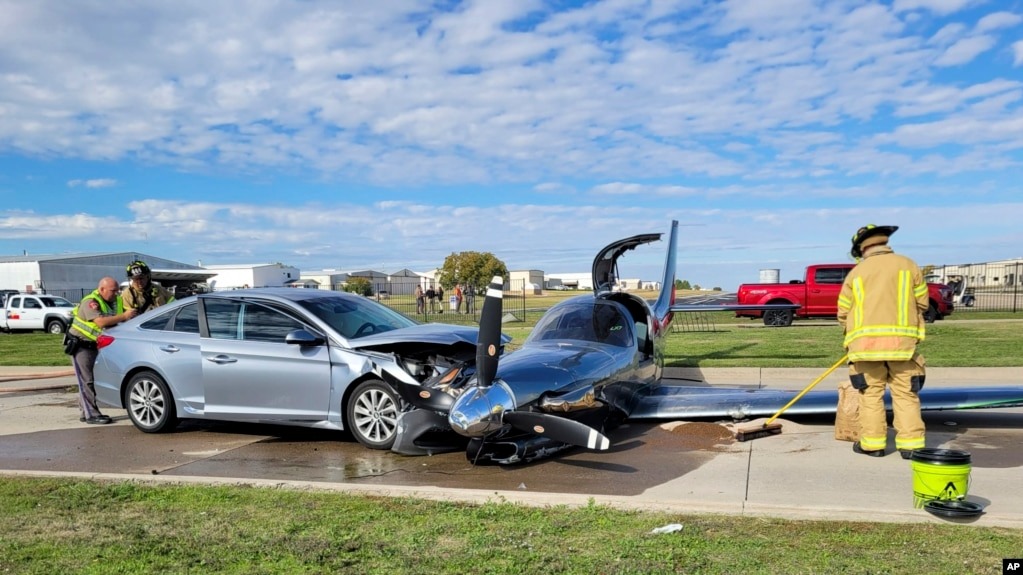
pixel 50 526
pixel 716 340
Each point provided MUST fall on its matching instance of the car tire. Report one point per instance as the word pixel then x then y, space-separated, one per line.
pixel 371 414
pixel 778 317
pixel 55 327
pixel 149 403
pixel 931 314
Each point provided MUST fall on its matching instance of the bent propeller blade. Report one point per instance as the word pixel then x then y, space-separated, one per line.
pixel 420 396
pixel 488 344
pixel 558 428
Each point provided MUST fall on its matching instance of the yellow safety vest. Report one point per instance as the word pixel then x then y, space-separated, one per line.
pixel 89 330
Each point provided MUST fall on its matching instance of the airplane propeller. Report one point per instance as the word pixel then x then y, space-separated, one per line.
pixel 488 345
pixel 557 428
pixel 423 396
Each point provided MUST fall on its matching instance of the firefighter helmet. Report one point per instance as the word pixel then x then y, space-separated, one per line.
pixel 137 268
pixel 869 231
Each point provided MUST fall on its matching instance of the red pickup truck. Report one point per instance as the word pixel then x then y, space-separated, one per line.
pixel 817 296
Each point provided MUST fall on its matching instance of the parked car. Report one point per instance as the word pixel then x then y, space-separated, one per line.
pixel 817 296
pixel 24 312
pixel 300 357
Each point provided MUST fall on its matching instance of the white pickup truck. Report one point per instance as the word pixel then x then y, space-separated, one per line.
pixel 36 311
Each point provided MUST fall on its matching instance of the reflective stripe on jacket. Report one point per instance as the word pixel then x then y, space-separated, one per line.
pixel 87 329
pixel 881 307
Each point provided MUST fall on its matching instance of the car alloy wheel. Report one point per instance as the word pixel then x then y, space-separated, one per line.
pixel 373 414
pixel 778 317
pixel 150 404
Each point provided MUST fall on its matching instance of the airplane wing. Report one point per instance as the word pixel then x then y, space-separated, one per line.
pixel 680 307
pixel 685 401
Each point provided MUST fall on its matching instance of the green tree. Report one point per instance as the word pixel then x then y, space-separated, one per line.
pixel 357 285
pixel 682 284
pixel 471 268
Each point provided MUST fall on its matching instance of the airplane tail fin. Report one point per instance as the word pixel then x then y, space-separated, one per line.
pixel 662 307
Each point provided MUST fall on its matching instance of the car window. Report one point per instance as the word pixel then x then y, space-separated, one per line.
pixel 15 302
pixel 264 324
pixel 158 323
pixel 31 303
pixel 187 319
pixel 222 318
pixel 830 275
pixel 56 302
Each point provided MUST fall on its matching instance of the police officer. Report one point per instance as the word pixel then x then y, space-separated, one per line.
pixel 100 309
pixel 881 309
pixel 142 294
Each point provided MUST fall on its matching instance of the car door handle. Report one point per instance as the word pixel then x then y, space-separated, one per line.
pixel 221 359
pixel 170 348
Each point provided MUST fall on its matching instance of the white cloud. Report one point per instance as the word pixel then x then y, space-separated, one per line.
pixel 1017 51
pixel 97 183
pixel 941 7
pixel 965 50
pixel 998 20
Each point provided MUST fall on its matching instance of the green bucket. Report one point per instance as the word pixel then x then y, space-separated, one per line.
pixel 942 474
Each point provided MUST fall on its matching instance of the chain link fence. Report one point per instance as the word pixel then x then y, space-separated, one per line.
pixel 981 287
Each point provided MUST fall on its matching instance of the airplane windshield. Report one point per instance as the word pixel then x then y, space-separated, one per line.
pixel 596 321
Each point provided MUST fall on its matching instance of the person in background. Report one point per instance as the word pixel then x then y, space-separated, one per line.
pixel 431 297
pixel 420 304
pixel 470 299
pixel 881 309
pixel 440 297
pixel 458 298
pixel 142 294
pixel 97 311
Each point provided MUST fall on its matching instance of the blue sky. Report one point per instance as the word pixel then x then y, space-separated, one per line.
pixel 388 135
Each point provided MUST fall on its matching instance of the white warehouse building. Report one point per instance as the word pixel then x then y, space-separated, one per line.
pixel 237 276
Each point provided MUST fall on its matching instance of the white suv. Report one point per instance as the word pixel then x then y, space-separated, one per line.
pixel 33 311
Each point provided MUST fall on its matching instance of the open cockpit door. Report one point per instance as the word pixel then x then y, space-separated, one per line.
pixel 605 265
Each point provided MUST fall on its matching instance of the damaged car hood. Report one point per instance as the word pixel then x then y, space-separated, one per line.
pixel 428 333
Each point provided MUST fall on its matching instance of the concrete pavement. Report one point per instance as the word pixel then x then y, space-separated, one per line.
pixel 802 473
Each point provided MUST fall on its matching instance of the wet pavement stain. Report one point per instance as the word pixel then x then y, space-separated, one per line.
pixel 982 434
pixel 642 456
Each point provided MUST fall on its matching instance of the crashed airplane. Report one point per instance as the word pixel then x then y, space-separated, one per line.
pixel 591 362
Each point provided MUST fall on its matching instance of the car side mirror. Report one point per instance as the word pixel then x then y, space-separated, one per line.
pixel 304 338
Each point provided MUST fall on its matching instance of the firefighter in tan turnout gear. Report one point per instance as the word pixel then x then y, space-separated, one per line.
pixel 881 309
pixel 142 294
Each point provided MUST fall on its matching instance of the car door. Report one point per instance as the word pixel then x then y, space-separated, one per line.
pixel 174 338
pixel 25 312
pixel 249 372
pixel 822 293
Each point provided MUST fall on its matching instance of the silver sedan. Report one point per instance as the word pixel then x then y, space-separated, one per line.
pixel 301 357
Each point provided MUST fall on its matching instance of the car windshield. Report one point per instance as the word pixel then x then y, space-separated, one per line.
pixel 356 317
pixel 587 320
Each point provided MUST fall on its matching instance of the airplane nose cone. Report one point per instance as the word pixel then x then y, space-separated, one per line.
pixel 478 412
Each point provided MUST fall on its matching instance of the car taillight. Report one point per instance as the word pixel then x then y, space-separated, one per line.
pixel 103 340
